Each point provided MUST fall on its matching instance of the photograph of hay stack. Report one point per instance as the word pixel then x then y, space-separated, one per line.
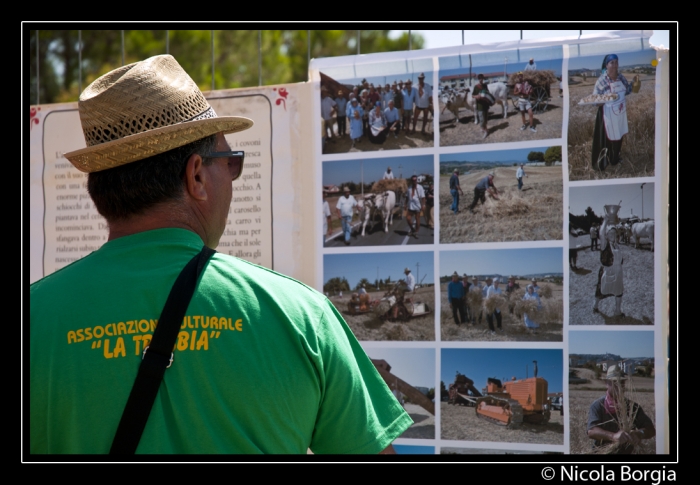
pixel 591 355
pixel 637 150
pixel 534 213
pixel 456 107
pixel 522 264
pixel 400 186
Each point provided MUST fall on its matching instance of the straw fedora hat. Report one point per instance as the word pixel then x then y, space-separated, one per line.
pixel 144 109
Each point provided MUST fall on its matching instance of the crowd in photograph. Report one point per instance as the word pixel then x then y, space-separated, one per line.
pixel 375 112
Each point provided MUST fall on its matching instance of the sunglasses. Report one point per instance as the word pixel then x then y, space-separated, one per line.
pixel 235 160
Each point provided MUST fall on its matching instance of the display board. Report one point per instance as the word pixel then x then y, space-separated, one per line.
pixel 494 230
pixel 558 169
pixel 264 224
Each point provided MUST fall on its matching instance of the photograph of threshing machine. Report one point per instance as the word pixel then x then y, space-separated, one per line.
pixel 507 404
pixel 398 304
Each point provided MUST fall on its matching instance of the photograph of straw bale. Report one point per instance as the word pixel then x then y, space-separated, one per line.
pixel 501 195
pixel 611 254
pixel 410 374
pixel 612 112
pixel 498 295
pixel 497 97
pixel 383 296
pixel 611 403
pixel 501 395
pixel 379 111
pixel 379 201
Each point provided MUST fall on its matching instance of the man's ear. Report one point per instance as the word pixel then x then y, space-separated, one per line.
pixel 196 177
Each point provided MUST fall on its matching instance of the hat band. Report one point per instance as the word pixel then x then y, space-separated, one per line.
pixel 206 114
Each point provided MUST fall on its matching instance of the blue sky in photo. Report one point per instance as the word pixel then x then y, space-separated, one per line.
pixel 372 169
pixel 480 364
pixel 354 267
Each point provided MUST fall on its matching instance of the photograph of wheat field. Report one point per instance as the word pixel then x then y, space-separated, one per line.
pixel 637 152
pixel 592 354
pixel 531 212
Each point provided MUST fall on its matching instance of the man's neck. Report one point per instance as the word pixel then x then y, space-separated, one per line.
pixel 159 217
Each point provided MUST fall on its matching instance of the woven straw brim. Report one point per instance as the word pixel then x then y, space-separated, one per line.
pixel 153 142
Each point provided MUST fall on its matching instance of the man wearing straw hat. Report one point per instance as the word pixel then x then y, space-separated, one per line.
pixel 160 172
pixel 614 419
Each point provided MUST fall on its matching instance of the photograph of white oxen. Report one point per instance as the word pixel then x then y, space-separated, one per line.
pixel 497 97
pixel 611 254
pixel 612 112
pixel 383 296
pixel 379 201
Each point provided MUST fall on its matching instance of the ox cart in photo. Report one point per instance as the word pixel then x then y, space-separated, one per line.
pixel 386 198
pixel 540 89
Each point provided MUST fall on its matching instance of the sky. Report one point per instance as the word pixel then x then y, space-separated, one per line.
pixel 449 38
pixel 546 58
pixel 414 365
pixel 519 155
pixel 502 261
pixel 480 364
pixel 625 344
pixel 624 59
pixel 599 195
pixel 371 170
pixel 383 80
pixel 354 267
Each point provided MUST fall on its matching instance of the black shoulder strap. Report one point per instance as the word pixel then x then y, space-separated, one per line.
pixel 157 357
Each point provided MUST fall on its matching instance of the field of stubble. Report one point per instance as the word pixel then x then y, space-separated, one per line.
pixel 533 214
pixel 461 423
pixel 368 326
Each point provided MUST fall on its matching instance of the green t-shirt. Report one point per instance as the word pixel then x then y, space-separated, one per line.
pixel 263 363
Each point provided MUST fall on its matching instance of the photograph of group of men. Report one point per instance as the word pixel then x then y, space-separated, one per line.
pixel 502 294
pixel 377 112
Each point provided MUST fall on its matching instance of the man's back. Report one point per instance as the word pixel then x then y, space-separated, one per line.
pixel 263 364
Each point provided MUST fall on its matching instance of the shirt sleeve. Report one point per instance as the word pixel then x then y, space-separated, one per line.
pixel 358 413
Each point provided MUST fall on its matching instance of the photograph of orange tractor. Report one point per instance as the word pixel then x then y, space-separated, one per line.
pixel 507 404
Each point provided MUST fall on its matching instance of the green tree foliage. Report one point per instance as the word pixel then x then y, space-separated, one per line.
pixel 336 284
pixel 284 55
pixel 535 157
pixel 363 281
pixel 552 154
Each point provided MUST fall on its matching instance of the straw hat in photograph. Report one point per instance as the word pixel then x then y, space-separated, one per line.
pixel 615 374
pixel 141 110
